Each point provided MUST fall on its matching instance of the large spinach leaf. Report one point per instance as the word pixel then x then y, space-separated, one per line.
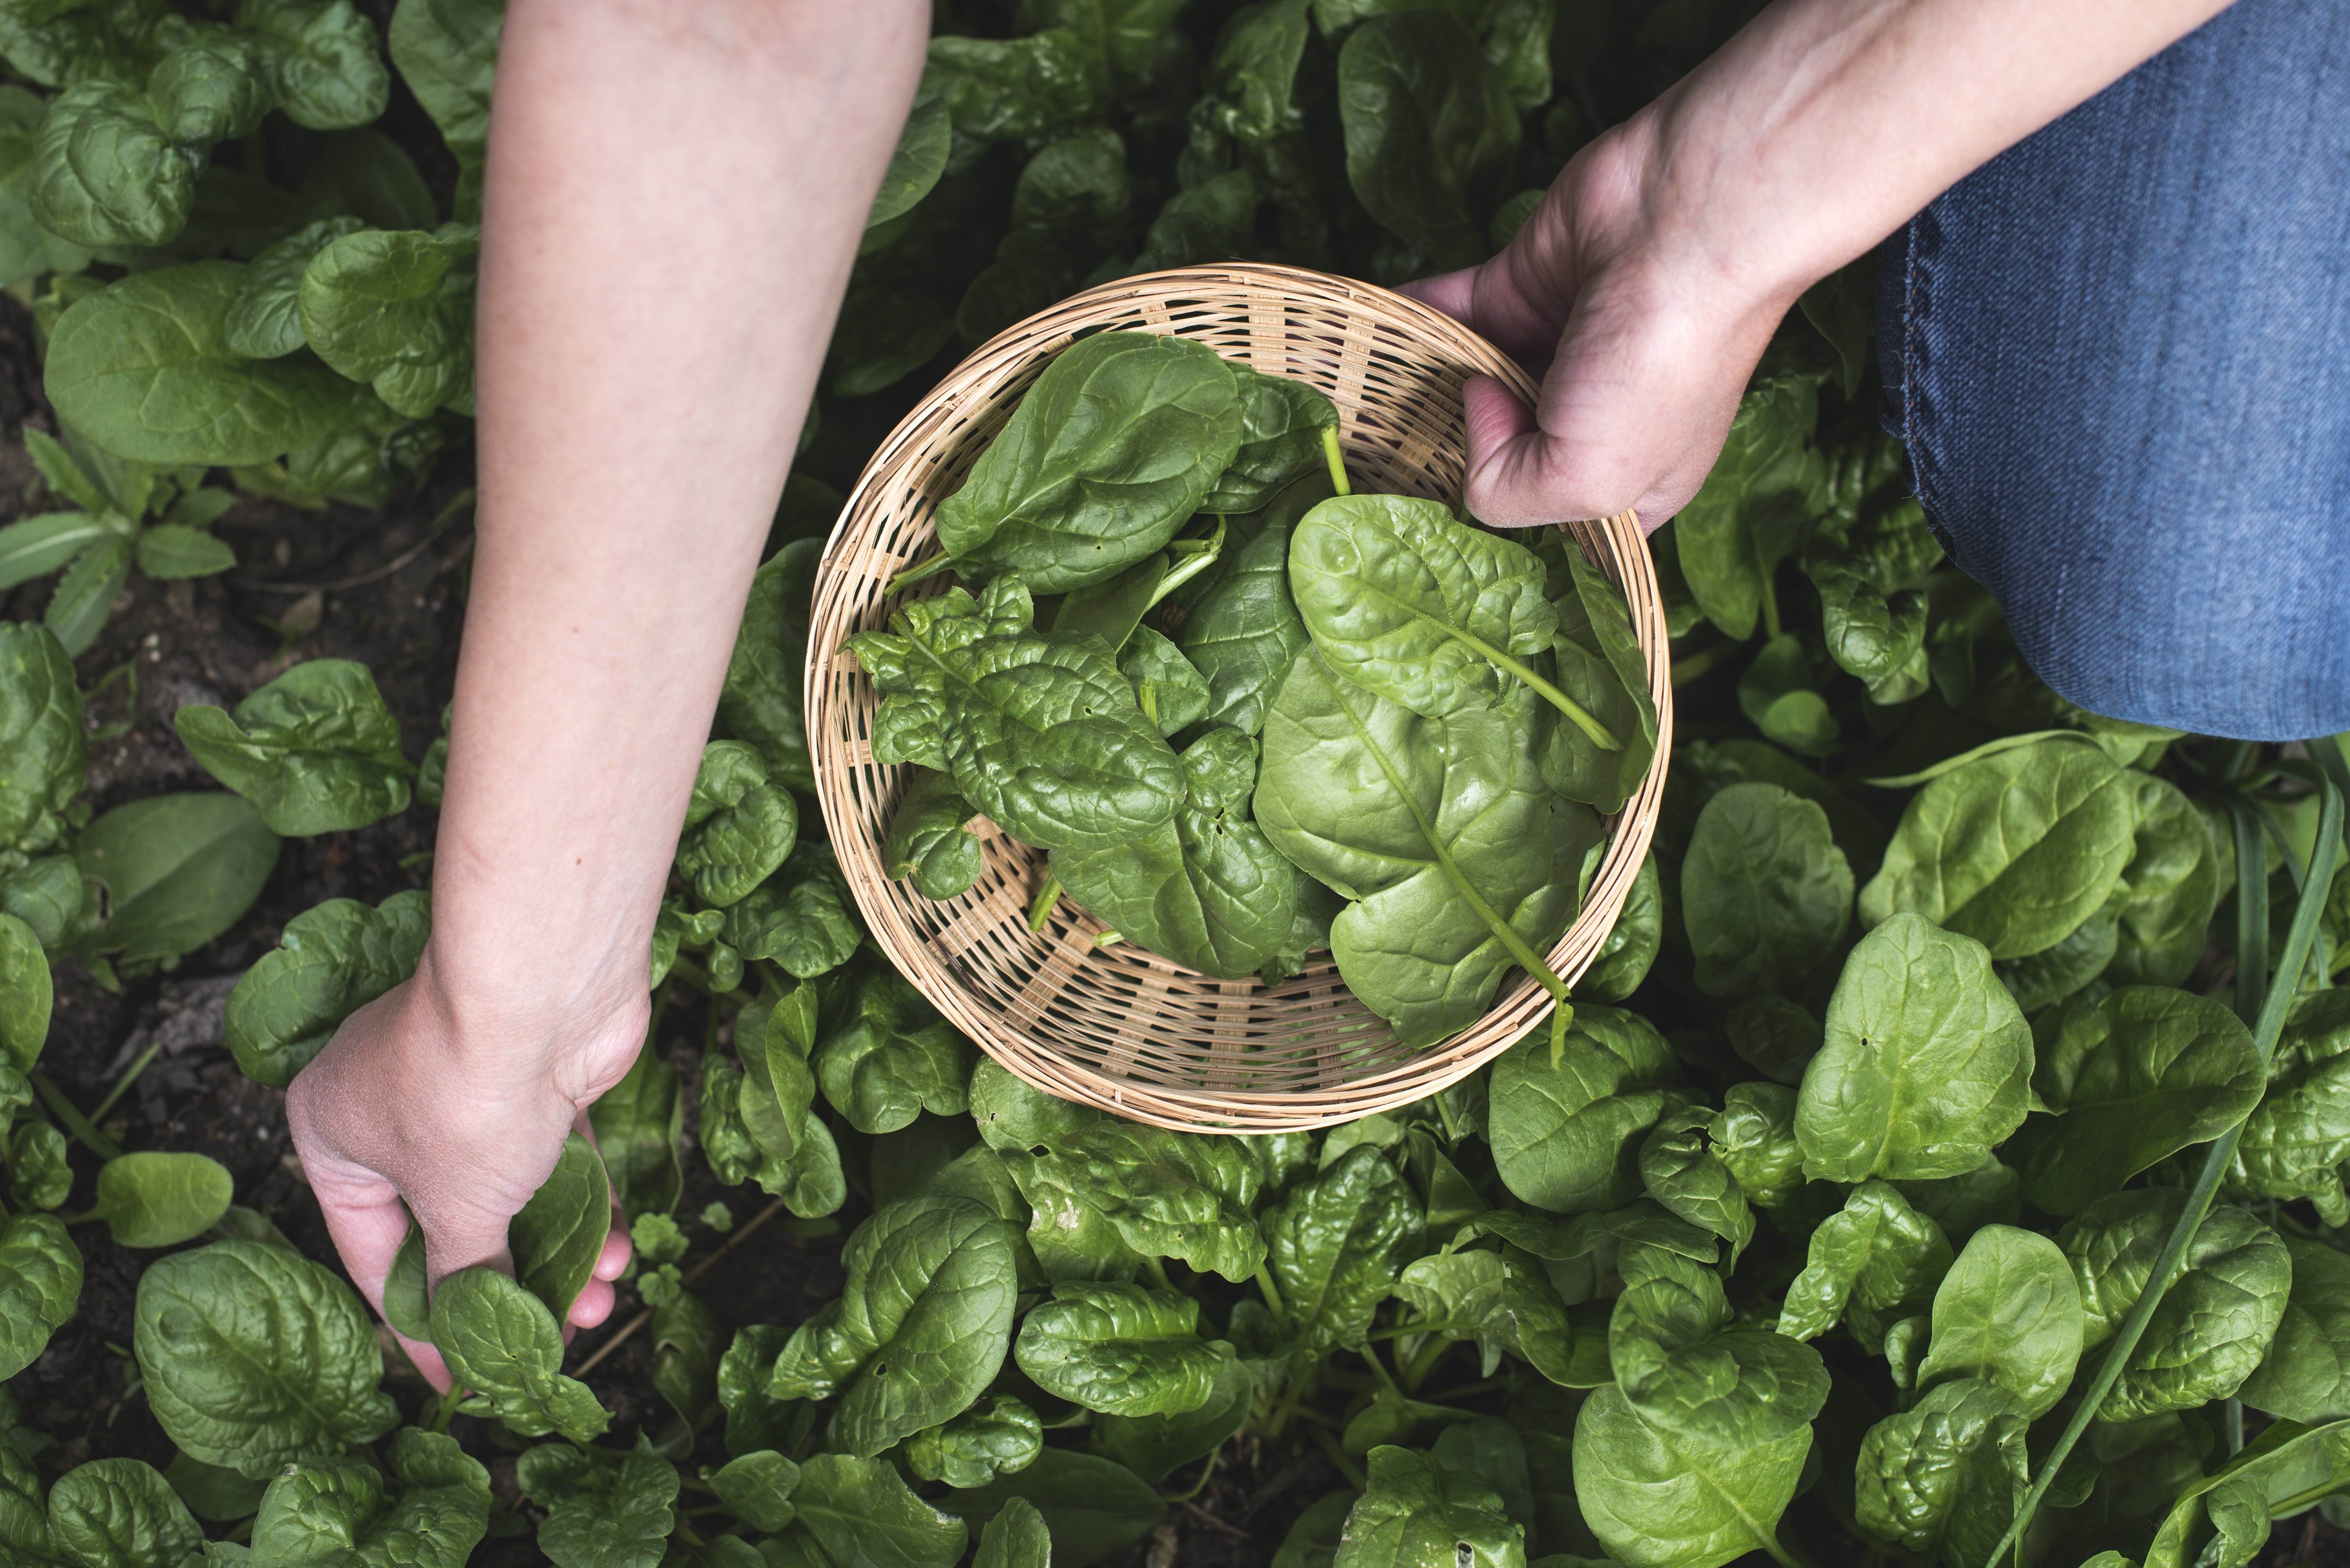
pixel 1336 1244
pixel 2132 1079
pixel 1121 1349
pixel 41 1285
pixel 1766 893
pixel 1109 453
pixel 1460 862
pixel 2213 1325
pixel 1431 131
pixel 919 1329
pixel 1407 602
pixel 1565 1126
pixel 329 962
pixel 2008 1314
pixel 316 749
pixel 2306 1376
pixel 2015 849
pixel 1926 1064
pixel 254 1357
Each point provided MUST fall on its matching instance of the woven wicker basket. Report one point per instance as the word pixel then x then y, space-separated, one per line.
pixel 1118 1027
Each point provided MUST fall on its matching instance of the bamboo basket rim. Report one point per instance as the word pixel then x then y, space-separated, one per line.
pixel 950 424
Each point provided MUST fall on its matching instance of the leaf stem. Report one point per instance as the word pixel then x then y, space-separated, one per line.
pixel 914 574
pixel 2252 912
pixel 129 1077
pixel 1337 460
pixel 1346 1466
pixel 1272 1293
pixel 1040 907
pixel 97 1142
pixel 2277 1001
pixel 1600 734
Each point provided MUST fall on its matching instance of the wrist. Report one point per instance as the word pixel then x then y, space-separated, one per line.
pixel 501 1021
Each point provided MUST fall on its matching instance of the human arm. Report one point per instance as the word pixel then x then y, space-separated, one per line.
pixel 1649 282
pixel 674 196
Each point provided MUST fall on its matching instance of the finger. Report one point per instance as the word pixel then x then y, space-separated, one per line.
pixel 613 1261
pixel 593 1304
pixel 368 1234
pixel 1506 451
pixel 1453 293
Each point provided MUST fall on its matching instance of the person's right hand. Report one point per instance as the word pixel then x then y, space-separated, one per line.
pixel 1644 333
pixel 460 1113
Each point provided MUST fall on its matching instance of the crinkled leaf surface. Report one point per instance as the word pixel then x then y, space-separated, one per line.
pixel 120 1513
pixel 865 1516
pixel 316 749
pixel 329 961
pixel 2133 1077
pixel 1041 732
pixel 919 1329
pixel 144 370
pixel 2214 1324
pixel 501 1342
pixel 1120 1348
pixel 254 1357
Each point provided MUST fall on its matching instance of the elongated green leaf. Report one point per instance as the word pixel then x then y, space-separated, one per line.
pixel 178 870
pixel 920 1327
pixel 1462 863
pixel 559 1234
pixel 1766 893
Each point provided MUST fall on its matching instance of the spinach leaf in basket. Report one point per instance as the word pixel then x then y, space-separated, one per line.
pixel 1244 629
pixel 1600 666
pixel 1407 602
pixel 1042 733
pixel 1207 889
pixel 1458 862
pixel 1107 455
pixel 928 843
pixel 1281 423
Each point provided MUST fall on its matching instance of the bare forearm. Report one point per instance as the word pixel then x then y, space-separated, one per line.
pixel 674 196
pixel 1825 124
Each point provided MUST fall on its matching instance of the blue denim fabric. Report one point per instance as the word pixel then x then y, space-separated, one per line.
pixel 2119 356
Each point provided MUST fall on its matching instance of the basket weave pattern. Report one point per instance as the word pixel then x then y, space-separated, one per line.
pixel 1120 1027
